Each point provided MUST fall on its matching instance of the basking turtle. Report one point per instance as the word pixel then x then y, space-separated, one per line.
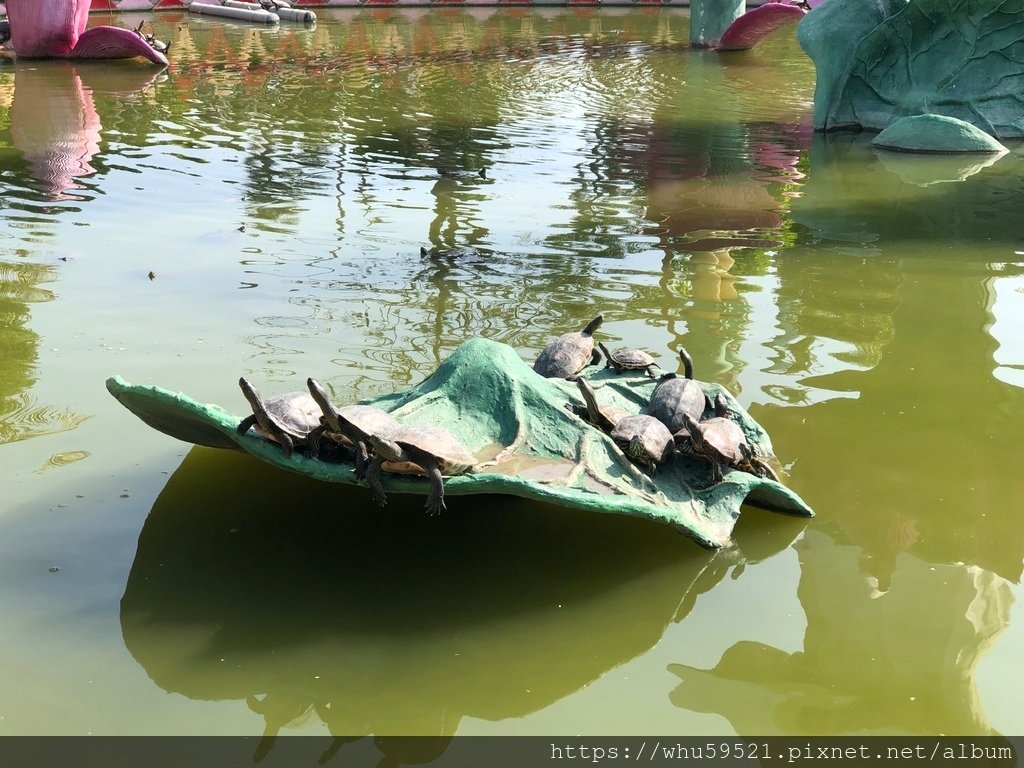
pixel 645 440
pixel 570 353
pixel 604 417
pixel 627 359
pixel 150 38
pixel 722 443
pixel 432 451
pixel 286 419
pixel 368 418
pixel 676 396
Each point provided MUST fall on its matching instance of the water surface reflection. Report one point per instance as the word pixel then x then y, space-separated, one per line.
pixel 387 621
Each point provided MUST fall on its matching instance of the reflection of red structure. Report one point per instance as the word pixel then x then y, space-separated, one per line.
pixel 57 29
pixel 714 206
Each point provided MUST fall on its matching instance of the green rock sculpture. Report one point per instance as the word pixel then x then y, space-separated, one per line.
pixel 880 60
pixel 529 443
pixel 936 133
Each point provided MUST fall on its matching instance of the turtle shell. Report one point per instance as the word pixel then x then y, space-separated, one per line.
pixel 675 396
pixel 370 419
pixel 451 456
pixel 296 413
pixel 632 359
pixel 724 436
pixel 568 354
pixel 656 439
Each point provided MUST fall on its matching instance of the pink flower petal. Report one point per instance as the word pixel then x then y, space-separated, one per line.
pixel 114 43
pixel 755 25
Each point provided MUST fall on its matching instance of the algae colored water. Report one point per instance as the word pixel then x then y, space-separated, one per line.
pixel 258 208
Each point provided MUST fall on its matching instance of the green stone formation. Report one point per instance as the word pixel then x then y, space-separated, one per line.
pixel 877 62
pixel 501 409
pixel 710 18
pixel 936 133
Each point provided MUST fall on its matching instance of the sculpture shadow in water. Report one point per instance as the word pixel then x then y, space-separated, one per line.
pixel 57 29
pixel 389 622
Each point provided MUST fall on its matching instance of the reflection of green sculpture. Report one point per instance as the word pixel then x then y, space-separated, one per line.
pixel 880 61
pixel 903 663
pixel 400 629
pixel 498 407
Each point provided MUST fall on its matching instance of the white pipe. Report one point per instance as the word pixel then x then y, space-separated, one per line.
pixel 286 13
pixel 235 13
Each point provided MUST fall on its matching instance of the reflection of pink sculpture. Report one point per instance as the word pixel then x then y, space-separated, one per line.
pixel 57 29
pixel 755 25
pixel 54 121
pixel 55 125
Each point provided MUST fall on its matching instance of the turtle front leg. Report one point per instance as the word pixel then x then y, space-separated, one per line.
pixel 595 357
pixel 246 424
pixel 313 441
pixel 362 460
pixel 373 480
pixel 287 445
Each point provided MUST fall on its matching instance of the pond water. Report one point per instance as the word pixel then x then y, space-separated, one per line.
pixel 258 209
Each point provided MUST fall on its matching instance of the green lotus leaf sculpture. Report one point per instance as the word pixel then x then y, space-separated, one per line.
pixel 530 444
pixel 881 60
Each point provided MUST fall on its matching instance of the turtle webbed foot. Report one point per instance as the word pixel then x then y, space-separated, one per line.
pixel 434 507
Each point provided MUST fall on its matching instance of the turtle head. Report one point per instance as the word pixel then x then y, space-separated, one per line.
pixel 687 362
pixel 721 406
pixel 690 433
pixel 251 395
pixel 593 325
pixel 636 448
pixel 320 396
pixel 603 348
pixel 589 398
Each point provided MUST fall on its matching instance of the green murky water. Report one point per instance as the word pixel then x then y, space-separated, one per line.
pixel 258 209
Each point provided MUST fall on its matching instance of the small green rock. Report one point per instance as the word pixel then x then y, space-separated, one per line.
pixel 936 133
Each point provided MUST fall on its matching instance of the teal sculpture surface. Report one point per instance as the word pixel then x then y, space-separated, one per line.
pixel 881 60
pixel 529 444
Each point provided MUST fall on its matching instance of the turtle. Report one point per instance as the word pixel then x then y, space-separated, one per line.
pixel 604 417
pixel 157 45
pixel 721 442
pixel 368 418
pixel 286 419
pixel 628 359
pixel 676 396
pixel 645 440
pixel 570 353
pixel 450 254
pixel 450 173
pixel 5 31
pixel 429 450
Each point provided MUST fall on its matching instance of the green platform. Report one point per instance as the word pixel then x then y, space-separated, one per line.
pixel 493 400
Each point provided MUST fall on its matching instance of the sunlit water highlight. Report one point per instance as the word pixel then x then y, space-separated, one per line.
pixel 258 209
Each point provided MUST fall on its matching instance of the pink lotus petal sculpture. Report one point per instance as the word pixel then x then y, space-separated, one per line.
pixel 754 25
pixel 57 29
